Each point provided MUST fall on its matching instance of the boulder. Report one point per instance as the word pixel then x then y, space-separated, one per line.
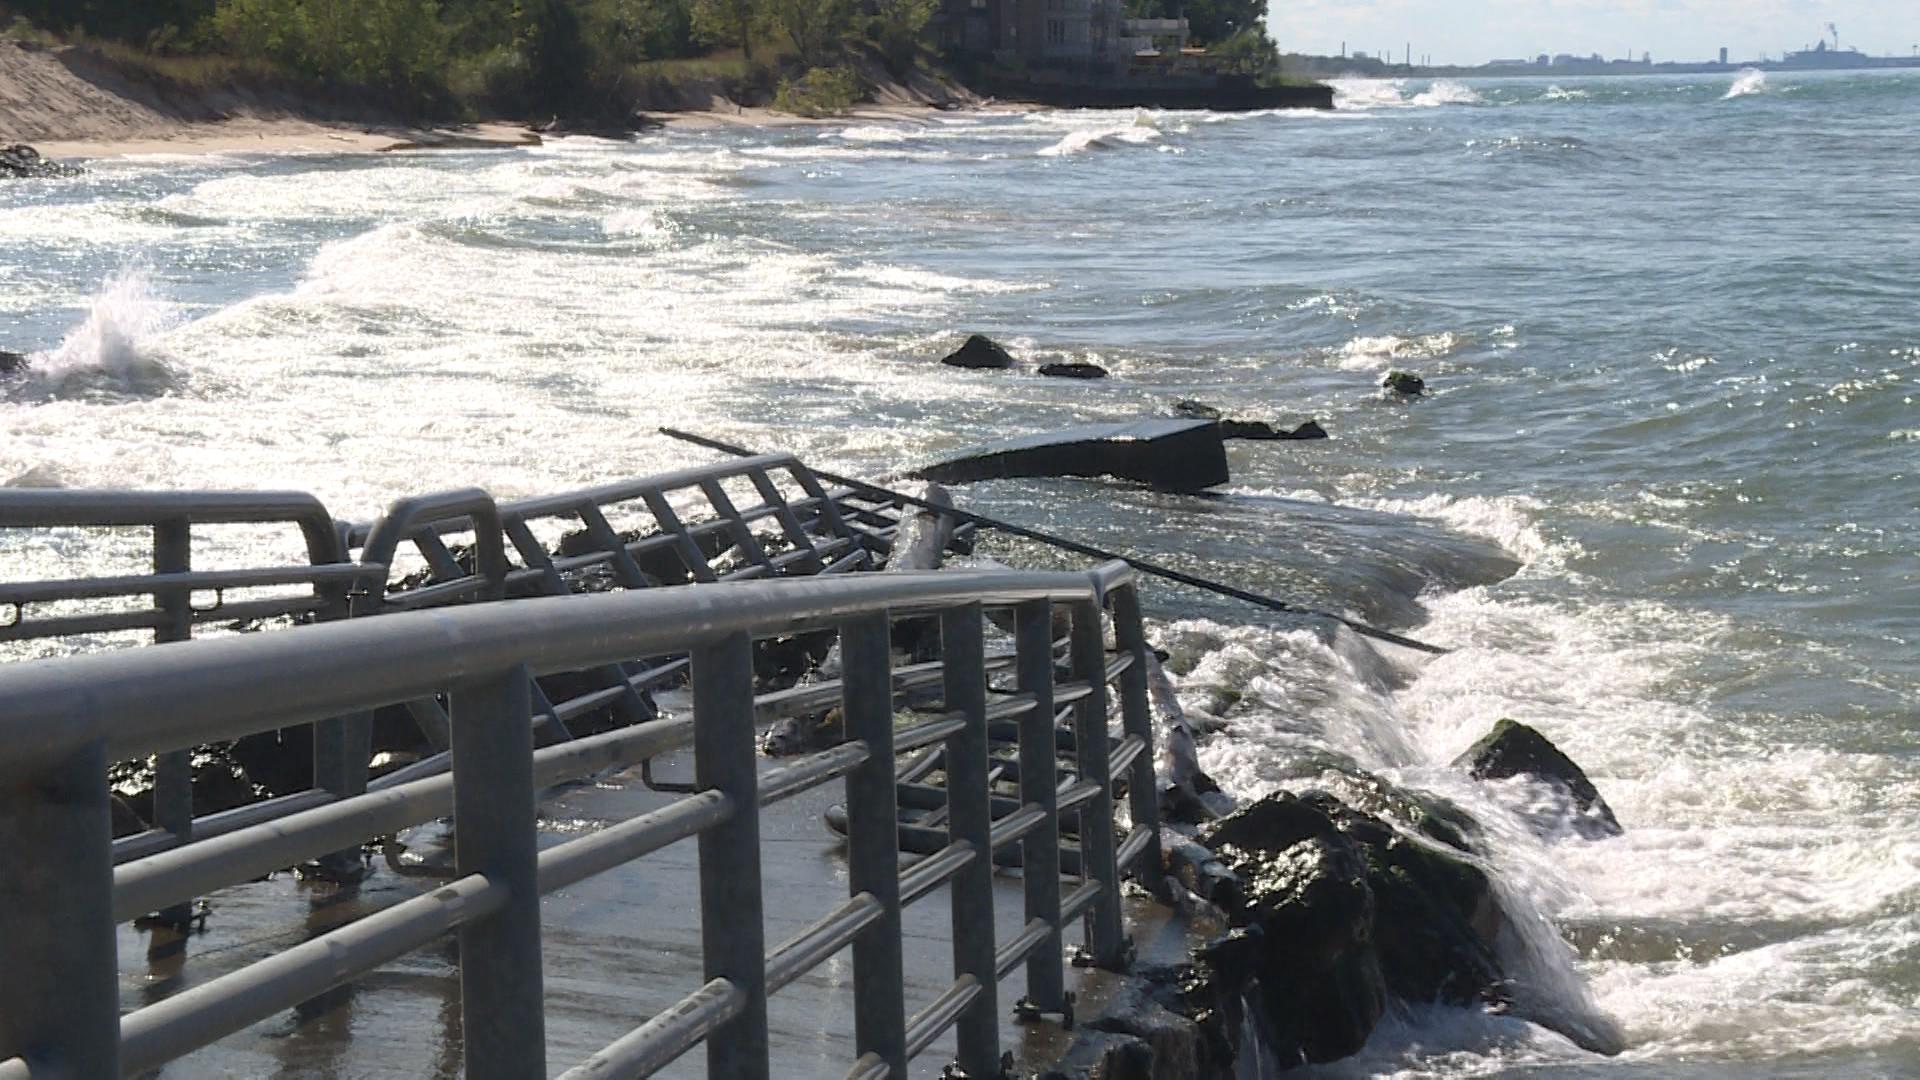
pixel 23 162
pixel 979 352
pixel 12 363
pixel 1514 749
pixel 1405 383
pixel 1258 430
pixel 1074 371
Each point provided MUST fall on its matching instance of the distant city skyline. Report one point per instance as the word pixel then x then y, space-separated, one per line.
pixel 1459 33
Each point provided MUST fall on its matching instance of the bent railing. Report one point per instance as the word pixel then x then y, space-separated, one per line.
pixel 62 895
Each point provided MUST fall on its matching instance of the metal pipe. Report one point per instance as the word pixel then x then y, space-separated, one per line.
pixel 970 822
pixel 206 1013
pixel 60 997
pixel 1105 934
pixel 576 860
pixel 732 926
pixel 502 1009
pixel 660 1041
pixel 806 950
pixel 873 859
pixel 1136 717
pixel 1040 849
pixel 928 1023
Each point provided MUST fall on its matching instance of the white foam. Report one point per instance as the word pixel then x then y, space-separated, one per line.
pixel 1750 81
pixel 114 348
pixel 1379 352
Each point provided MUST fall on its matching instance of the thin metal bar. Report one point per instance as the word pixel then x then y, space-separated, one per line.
pixel 732 930
pixel 1080 899
pixel 811 771
pixel 873 860
pixel 970 822
pixel 1036 933
pixel 935 870
pixel 60 997
pixel 1131 849
pixel 576 860
pixel 502 1010
pixel 933 731
pixel 624 567
pixel 743 533
pixel 1105 934
pixel 869 1067
pixel 928 1023
pixel 94 588
pixel 203 1014
pixel 796 533
pixel 660 1041
pixel 1040 849
pixel 808 949
pixel 690 553
pixel 1136 713
pixel 173 771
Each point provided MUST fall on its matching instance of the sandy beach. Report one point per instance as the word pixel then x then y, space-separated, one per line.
pixel 71 105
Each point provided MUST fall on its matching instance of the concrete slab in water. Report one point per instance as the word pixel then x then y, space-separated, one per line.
pixel 1173 455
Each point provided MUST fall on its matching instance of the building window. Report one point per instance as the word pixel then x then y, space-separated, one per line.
pixel 1056 31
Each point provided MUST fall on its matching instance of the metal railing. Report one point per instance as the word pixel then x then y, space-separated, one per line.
pixel 65 718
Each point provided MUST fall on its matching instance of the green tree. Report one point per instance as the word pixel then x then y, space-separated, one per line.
pixel 728 21
pixel 817 28
pixel 897 26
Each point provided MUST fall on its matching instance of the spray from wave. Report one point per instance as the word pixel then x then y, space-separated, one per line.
pixel 1110 137
pixel 114 350
pixel 1367 94
pixel 1751 81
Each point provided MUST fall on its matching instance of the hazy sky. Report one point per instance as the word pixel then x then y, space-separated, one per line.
pixel 1475 31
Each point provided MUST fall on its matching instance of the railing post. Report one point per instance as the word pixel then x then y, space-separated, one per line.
pixel 1039 786
pixel 60 998
pixel 873 846
pixel 1104 932
pixel 502 1006
pixel 173 771
pixel 732 928
pixel 970 821
pixel 1136 714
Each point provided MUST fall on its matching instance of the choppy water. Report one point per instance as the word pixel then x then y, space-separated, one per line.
pixel 1673 328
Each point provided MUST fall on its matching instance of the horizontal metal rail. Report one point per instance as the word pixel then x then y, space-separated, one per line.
pixel 67 716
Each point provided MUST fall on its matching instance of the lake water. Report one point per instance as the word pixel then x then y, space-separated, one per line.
pixel 1671 326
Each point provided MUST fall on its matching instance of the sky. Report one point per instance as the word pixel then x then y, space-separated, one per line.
pixel 1475 31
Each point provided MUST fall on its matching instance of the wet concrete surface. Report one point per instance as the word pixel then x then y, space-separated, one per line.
pixel 618 949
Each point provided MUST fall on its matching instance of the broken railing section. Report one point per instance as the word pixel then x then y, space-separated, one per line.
pixel 59 1008
pixel 768 516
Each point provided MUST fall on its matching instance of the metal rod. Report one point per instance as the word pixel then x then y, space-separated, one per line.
pixel 1104 931
pixel 733 931
pixel 1040 849
pixel 1136 719
pixel 873 860
pixel 502 1010
pixel 1055 540
pixel 60 999
pixel 970 821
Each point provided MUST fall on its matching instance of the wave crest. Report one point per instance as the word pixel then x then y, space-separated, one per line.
pixel 114 351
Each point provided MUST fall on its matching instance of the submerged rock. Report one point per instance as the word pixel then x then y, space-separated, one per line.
pixel 1514 749
pixel 1074 371
pixel 12 363
pixel 1256 430
pixel 1405 383
pixel 979 352
pixel 23 162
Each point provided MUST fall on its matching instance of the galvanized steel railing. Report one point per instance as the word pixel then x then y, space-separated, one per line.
pixel 62 895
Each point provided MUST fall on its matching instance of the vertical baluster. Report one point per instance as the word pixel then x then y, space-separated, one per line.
pixel 732 927
pixel 1105 936
pixel 1039 778
pixel 970 820
pixel 173 771
pixel 502 1007
pixel 60 999
pixel 1143 796
pixel 873 854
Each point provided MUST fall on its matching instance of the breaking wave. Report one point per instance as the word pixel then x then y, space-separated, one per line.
pixel 1362 94
pixel 1751 81
pixel 1140 132
pixel 113 351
